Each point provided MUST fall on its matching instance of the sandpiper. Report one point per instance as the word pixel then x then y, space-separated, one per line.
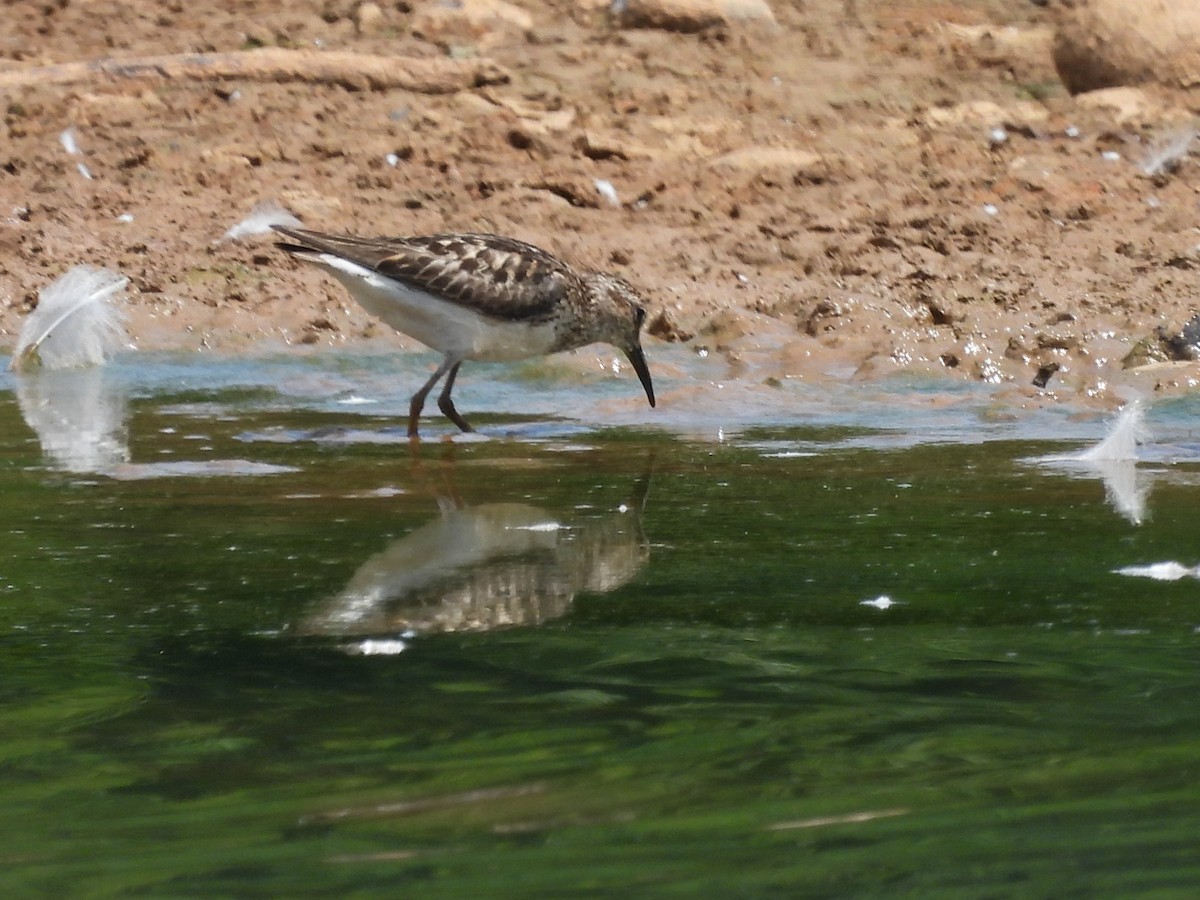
pixel 478 296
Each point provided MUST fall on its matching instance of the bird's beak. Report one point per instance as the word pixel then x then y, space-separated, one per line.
pixel 638 359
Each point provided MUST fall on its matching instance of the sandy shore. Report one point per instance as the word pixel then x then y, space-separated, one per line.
pixel 840 195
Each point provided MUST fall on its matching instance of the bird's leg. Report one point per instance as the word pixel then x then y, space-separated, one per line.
pixel 418 400
pixel 446 405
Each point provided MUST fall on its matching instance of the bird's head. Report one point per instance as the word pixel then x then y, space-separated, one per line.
pixel 621 314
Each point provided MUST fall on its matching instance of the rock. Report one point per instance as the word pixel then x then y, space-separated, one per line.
pixel 1057 339
pixel 596 144
pixel 1109 43
pixel 690 15
pixel 1018 349
pixel 826 316
pixel 1022 114
pixel 460 23
pixel 1044 373
pixel 1168 343
pixel 1183 343
pixel 798 165
pixel 664 326
pixel 1128 105
pixel 1146 352
pixel 368 18
pixel 760 251
pixel 1022 49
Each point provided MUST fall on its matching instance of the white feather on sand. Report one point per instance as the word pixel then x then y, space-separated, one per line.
pixel 69 141
pixel 1166 152
pixel 261 218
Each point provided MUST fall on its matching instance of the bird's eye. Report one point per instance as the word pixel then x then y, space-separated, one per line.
pixel 641 316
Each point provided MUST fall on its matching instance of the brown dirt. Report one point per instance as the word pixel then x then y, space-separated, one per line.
pixel 824 197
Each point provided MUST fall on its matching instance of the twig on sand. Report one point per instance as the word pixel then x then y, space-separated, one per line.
pixel 355 71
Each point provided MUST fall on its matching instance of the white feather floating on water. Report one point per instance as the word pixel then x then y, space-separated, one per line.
pixel 1122 440
pixel 260 220
pixel 1161 571
pixel 75 323
pixel 1114 460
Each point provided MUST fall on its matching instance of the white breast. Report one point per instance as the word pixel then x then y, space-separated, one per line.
pixel 439 324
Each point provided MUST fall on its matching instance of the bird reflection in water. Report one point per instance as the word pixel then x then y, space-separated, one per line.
pixel 495 565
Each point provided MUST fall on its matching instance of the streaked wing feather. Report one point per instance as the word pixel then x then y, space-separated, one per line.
pixel 497 276
pixel 366 251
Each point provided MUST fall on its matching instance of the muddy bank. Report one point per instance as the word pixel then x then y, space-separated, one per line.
pixel 839 190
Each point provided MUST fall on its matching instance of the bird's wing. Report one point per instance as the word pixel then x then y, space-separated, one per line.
pixel 496 276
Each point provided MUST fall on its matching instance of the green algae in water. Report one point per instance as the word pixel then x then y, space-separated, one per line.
pixel 708 706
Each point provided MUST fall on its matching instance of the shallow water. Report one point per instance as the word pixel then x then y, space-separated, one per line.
pixel 857 642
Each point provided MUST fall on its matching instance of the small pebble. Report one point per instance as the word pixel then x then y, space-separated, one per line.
pixel 607 191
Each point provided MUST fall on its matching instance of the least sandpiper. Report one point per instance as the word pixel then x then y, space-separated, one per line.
pixel 478 296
